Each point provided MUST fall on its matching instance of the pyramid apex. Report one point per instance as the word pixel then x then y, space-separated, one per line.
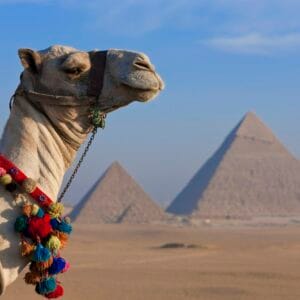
pixel 251 113
pixel 115 164
pixel 251 126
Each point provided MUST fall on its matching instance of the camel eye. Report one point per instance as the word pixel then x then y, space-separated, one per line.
pixel 73 71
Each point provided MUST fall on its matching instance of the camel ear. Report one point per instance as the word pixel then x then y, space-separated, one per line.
pixel 30 59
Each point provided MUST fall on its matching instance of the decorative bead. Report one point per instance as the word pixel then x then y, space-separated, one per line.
pixel 11 187
pixel 6 179
pixel 13 171
pixel 29 185
pixel 37 211
pixel 34 209
pixel 67 220
pixel 42 198
pixel 2 171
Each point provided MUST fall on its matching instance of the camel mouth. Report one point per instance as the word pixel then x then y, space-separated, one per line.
pixel 140 89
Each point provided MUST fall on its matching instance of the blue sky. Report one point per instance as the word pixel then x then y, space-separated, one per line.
pixel 219 58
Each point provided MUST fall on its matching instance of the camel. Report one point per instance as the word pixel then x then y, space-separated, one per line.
pixel 42 138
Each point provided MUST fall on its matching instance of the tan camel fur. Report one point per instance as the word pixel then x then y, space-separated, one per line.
pixel 42 140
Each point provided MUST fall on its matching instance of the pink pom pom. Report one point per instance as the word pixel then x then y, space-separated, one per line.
pixel 67 267
pixel 2 171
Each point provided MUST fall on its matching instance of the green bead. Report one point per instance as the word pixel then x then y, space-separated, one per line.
pixel 97 117
pixel 6 179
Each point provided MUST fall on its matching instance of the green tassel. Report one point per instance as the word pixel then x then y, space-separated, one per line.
pixel 21 224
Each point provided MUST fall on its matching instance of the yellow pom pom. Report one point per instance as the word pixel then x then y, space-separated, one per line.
pixel 55 210
pixel 53 243
pixel 6 179
pixel 34 209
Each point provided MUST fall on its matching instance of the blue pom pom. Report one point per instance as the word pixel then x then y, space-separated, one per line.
pixel 46 286
pixel 41 254
pixel 57 266
pixel 54 223
pixel 40 213
pixel 61 226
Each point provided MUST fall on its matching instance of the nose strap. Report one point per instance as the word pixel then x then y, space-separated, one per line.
pixel 96 77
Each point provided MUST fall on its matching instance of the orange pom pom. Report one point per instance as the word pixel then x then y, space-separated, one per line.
pixel 26 210
pixel 63 237
pixel 26 248
pixel 32 278
pixel 41 266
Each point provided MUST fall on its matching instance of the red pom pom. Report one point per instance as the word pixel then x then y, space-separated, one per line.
pixel 39 227
pixel 58 292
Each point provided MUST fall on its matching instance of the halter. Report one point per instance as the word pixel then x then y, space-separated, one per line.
pixel 94 91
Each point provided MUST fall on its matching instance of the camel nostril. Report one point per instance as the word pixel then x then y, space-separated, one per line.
pixel 143 65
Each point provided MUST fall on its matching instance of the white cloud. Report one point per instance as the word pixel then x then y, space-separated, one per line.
pixel 256 43
pixel 244 26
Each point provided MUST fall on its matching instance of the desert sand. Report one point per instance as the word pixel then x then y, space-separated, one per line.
pixel 124 262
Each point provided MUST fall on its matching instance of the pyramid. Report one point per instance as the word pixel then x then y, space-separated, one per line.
pixel 251 174
pixel 116 198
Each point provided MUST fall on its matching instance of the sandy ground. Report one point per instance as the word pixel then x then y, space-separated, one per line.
pixel 121 262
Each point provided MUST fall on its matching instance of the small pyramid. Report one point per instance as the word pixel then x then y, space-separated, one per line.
pixel 251 174
pixel 116 198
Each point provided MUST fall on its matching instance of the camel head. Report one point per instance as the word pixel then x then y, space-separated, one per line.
pixel 60 70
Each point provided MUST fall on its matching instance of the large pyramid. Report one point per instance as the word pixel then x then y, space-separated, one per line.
pixel 251 174
pixel 117 198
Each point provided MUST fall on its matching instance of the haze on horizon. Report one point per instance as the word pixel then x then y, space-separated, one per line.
pixel 219 59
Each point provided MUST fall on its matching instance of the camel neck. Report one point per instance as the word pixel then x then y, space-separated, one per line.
pixel 38 145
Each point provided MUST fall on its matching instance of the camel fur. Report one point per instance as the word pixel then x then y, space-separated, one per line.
pixel 43 140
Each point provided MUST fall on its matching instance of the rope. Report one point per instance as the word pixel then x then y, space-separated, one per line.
pixel 72 177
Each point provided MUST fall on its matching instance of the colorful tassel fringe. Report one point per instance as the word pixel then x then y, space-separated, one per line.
pixel 44 233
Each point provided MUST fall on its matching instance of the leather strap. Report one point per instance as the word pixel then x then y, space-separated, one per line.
pixel 96 77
